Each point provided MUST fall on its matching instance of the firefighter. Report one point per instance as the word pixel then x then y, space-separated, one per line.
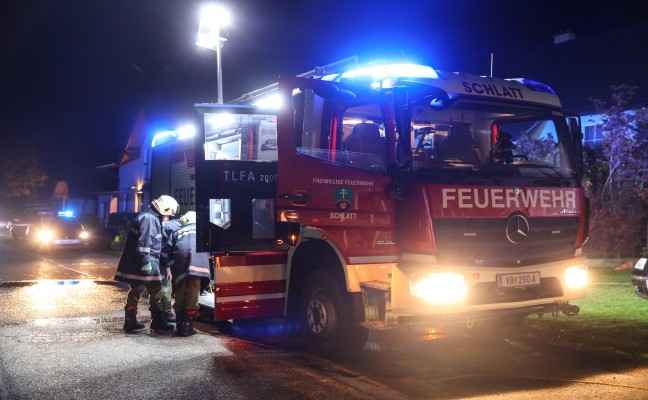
pixel 139 264
pixel 189 270
pixel 168 227
pixel 502 152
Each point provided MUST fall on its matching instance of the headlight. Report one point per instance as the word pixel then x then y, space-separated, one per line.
pixel 640 264
pixel 438 288
pixel 84 235
pixel 45 235
pixel 576 277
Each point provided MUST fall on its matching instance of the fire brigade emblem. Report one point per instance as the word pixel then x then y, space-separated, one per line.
pixel 343 198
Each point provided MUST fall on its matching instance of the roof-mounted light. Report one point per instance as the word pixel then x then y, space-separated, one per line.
pixel 273 102
pixel 162 136
pixel 534 85
pixel 66 214
pixel 380 72
pixel 186 132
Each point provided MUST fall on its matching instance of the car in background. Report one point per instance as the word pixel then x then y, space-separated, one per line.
pixel 5 223
pixel 640 276
pixel 61 231
pixel 19 226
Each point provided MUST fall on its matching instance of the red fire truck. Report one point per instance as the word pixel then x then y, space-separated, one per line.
pixel 392 196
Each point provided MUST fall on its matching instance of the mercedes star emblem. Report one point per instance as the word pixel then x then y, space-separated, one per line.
pixel 517 228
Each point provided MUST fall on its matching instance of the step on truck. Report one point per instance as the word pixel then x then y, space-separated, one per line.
pixel 391 196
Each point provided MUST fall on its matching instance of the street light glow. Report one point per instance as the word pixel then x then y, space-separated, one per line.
pixel 212 19
pixel 215 15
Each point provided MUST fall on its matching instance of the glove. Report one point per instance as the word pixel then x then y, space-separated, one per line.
pixel 146 269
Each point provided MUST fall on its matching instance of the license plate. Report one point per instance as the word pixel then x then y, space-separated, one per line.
pixel 67 241
pixel 522 279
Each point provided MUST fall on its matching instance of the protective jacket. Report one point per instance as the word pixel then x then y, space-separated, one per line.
pixel 168 228
pixel 143 245
pixel 186 260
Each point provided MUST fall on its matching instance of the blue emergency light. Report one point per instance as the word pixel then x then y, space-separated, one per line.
pixel 534 85
pixel 66 214
pixel 380 72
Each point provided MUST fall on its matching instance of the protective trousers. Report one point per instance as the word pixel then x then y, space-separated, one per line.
pixel 154 292
pixel 166 298
pixel 186 295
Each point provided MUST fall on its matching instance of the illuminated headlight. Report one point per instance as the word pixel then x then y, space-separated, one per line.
pixel 45 235
pixel 84 235
pixel 640 264
pixel 576 277
pixel 438 288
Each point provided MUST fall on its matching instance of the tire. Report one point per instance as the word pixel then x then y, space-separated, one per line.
pixel 329 327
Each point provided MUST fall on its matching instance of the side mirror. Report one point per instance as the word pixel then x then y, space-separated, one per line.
pixel 402 116
pixel 332 91
pixel 577 140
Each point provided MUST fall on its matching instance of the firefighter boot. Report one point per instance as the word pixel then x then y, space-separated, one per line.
pixel 165 304
pixel 179 319
pixel 166 310
pixel 130 323
pixel 186 327
pixel 158 322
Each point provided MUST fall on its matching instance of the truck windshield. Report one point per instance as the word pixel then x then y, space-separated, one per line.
pixel 458 138
pixel 477 134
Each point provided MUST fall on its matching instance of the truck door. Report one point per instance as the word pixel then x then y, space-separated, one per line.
pixel 333 166
pixel 236 171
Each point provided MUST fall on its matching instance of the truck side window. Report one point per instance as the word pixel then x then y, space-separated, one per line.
pixel 249 137
pixel 353 136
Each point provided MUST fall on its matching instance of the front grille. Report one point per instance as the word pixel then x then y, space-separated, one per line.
pixel 489 293
pixel 483 241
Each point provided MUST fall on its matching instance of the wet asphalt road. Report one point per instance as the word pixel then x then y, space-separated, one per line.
pixel 66 342
pixel 63 340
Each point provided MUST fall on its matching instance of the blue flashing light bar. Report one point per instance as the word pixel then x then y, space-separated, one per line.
pixel 182 133
pixel 380 72
pixel 161 136
pixel 66 214
pixel 534 85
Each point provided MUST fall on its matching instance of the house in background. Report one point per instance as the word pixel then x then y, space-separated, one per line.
pixel 156 120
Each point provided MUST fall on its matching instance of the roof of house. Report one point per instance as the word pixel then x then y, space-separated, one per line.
pixel 154 116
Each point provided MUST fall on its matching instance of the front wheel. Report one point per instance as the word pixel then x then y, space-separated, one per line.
pixel 330 328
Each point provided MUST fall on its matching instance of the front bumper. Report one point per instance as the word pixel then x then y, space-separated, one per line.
pixel 483 288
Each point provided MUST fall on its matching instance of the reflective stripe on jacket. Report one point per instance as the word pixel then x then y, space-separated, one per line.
pixel 143 245
pixel 186 260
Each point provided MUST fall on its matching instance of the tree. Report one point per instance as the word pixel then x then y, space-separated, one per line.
pixel 21 174
pixel 616 177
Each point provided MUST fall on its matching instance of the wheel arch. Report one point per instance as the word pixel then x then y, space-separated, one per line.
pixel 314 255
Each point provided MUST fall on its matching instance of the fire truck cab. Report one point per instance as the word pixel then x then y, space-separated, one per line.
pixel 392 196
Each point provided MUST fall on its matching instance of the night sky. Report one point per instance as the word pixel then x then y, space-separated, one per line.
pixel 72 72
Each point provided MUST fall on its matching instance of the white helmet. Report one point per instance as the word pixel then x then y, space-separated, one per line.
pixel 166 205
pixel 188 218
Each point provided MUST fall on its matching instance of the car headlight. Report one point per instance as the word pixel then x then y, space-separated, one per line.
pixel 576 277
pixel 84 235
pixel 45 235
pixel 438 288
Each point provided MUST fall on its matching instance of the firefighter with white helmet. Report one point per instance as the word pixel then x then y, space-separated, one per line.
pixel 189 269
pixel 139 264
